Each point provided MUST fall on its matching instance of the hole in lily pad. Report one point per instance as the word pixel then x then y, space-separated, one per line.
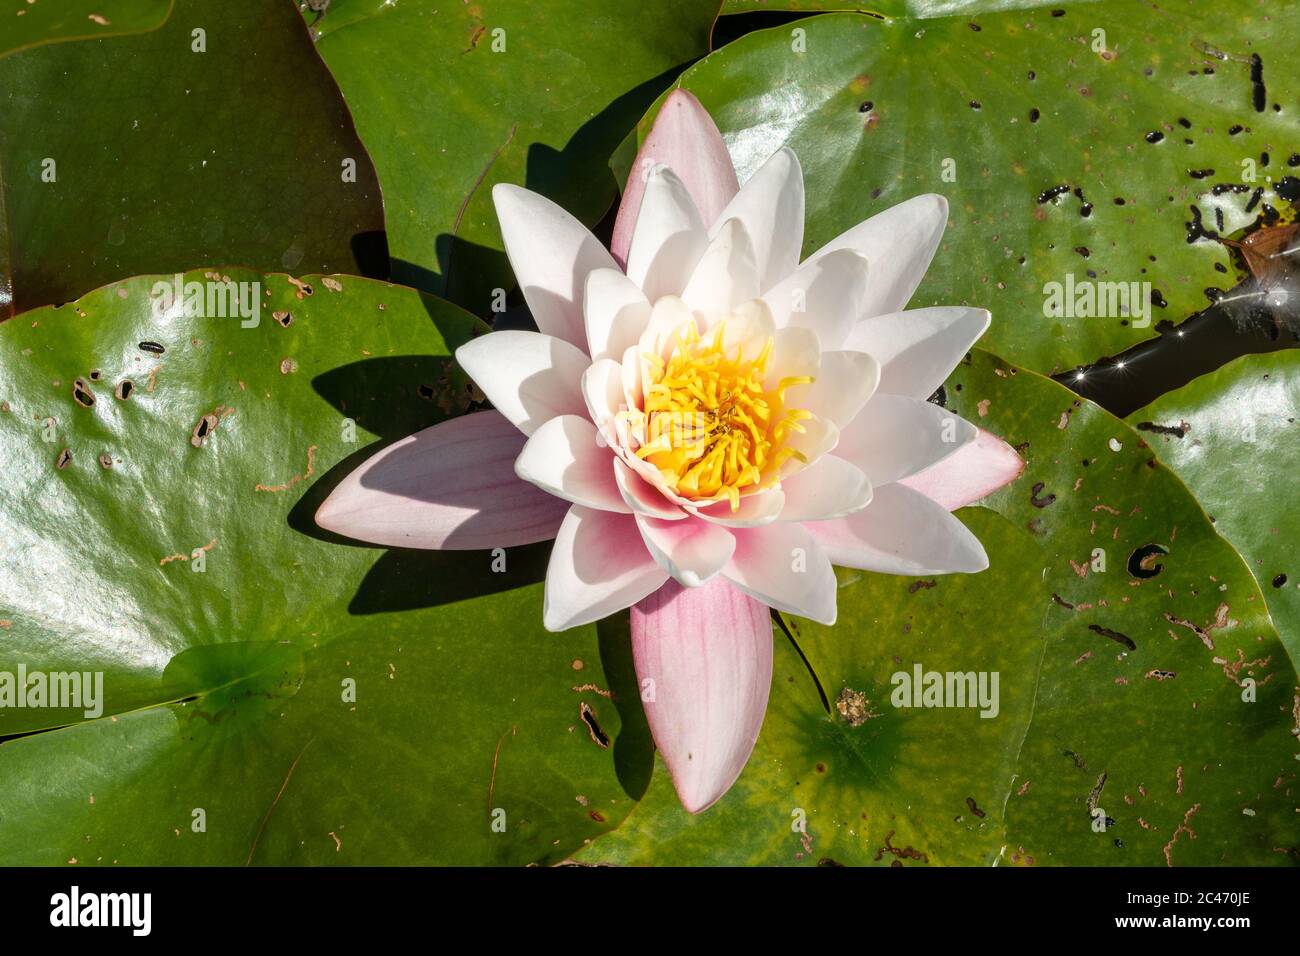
pixel 202 429
pixel 81 392
pixel 593 726
pixel 1142 562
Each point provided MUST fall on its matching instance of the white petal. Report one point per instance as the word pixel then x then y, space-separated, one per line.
pixel 753 510
pixel 896 436
pixel 899 244
pixel 529 377
pixel 602 389
pixel 726 274
pixel 918 349
pixel 692 551
pixel 829 488
pixel 748 328
pixel 770 205
pixel 817 438
pixel 564 458
pixel 796 353
pixel 843 383
pixel 551 253
pixel 827 295
pixel 642 497
pixel 669 237
pixel 901 532
pixel 599 565
pixel 782 566
pixel 632 393
pixel 616 313
pixel 667 318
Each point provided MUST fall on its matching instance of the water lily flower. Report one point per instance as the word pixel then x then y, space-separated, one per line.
pixel 705 425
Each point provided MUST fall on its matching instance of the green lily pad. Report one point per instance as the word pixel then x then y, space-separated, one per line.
pixel 29 23
pixel 915 9
pixel 801 6
pixel 140 154
pixel 1231 435
pixel 452 98
pixel 160 534
pixel 1149 111
pixel 1110 697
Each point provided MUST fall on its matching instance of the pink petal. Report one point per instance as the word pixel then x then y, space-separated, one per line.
pixel 642 497
pixel 692 551
pixel 976 469
pixel 599 565
pixel 451 487
pixel 685 139
pixel 704 663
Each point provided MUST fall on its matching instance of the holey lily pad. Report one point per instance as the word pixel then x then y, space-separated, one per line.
pixel 259 702
pixel 218 137
pixel 1109 143
pixel 1145 709
pixel 452 98
pixel 1232 436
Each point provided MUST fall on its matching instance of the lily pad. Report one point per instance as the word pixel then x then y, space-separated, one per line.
pixel 219 137
pixel 30 23
pixel 1121 736
pixel 1231 435
pixel 159 534
pixel 452 98
pixel 915 9
pixel 1099 145
pixel 800 6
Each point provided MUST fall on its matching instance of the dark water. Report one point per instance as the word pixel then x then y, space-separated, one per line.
pixel 1240 324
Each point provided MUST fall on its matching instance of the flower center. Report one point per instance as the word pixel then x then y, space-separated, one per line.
pixel 712 428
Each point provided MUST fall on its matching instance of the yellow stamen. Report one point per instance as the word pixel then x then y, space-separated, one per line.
pixel 709 424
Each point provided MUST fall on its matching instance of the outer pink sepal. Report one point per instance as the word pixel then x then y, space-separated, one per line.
pixel 704 663
pixel 452 487
pixel 976 469
pixel 686 140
